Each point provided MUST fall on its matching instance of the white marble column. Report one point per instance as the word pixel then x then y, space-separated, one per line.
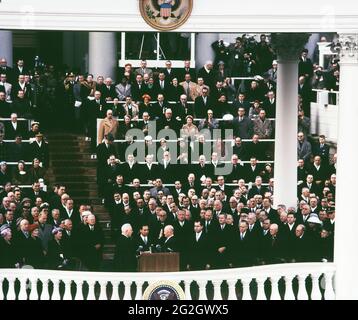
pixel 346 235
pixel 102 51
pixel 288 47
pixel 6 46
pixel 204 51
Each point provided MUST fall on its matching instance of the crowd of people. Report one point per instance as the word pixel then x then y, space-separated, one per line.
pixel 160 202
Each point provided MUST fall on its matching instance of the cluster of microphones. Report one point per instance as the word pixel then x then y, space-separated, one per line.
pixel 154 249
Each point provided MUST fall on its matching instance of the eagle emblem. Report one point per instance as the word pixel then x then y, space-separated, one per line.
pixel 165 14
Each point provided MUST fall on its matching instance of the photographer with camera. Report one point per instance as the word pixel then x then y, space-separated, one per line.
pixel 222 52
pixel 319 80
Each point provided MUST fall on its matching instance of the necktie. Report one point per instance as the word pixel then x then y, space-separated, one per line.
pixel 187 89
pixel 145 240
pixel 241 236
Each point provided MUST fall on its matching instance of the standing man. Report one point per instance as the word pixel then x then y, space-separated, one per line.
pixel 125 255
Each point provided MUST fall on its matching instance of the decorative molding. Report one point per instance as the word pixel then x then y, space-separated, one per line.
pixel 347 47
pixel 78 21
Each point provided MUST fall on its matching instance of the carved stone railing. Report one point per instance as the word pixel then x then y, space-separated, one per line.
pixel 301 281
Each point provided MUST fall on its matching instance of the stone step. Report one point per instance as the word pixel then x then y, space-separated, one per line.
pixel 74 170
pixel 80 185
pixel 80 162
pixel 65 155
pixel 83 193
pixel 80 179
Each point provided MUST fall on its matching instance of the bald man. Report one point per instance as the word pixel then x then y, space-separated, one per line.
pixel 169 242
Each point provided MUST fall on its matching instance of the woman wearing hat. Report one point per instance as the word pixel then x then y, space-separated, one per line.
pixel 56 253
pixel 37 256
pixel 145 106
pixel 267 173
pixel 7 249
pixel 20 175
pixel 189 131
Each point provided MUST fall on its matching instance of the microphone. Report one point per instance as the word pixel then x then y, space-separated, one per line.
pixel 140 248
pixel 158 247
pixel 170 250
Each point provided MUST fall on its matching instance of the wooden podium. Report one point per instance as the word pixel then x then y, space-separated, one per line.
pixel 158 262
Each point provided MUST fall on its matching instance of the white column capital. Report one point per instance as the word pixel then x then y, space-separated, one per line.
pixel 347 48
pixel 289 45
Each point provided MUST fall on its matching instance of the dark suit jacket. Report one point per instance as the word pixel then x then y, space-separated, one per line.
pixel 244 253
pixel 237 173
pixel 255 190
pixel 16 88
pixel 42 153
pixel 200 108
pixel 252 174
pixel 270 108
pixel 243 129
pixel 182 234
pixel 209 77
pixel 305 67
pixel 159 90
pixel 103 153
pixel 314 188
pixel 5 109
pixel 8 254
pixel 55 250
pixel 90 256
pixel 125 255
pixel 108 93
pixel 183 71
pixel 174 93
pixel 137 92
pixel 170 76
pixel 183 111
pixel 130 173
pixel 11 133
pixel 199 252
pixel 170 245
pixel 303 249
pixel 274 249
pixel 42 194
pixel 138 241
pixel 148 174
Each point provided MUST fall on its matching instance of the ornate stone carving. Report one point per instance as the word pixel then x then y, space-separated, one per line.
pixel 289 45
pixel 347 47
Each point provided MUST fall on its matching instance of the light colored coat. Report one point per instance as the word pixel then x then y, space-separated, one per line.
pixel 107 126
pixel 263 128
pixel 193 89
